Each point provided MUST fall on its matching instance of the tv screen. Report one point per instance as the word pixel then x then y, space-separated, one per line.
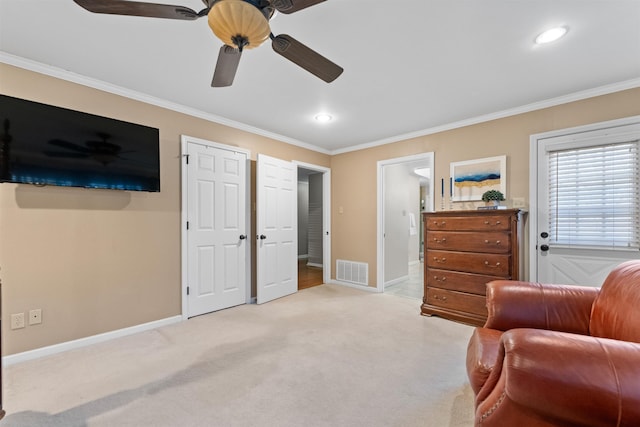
pixel 46 145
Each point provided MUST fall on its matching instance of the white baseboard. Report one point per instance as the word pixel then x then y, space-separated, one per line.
pixel 354 286
pixel 314 264
pixel 398 280
pixel 417 261
pixel 83 342
pixel 303 256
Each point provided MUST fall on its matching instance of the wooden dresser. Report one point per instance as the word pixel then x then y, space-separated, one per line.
pixel 464 251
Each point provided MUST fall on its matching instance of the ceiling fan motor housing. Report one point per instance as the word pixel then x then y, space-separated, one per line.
pixel 238 23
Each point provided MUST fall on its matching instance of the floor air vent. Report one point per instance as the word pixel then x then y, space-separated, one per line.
pixel 353 272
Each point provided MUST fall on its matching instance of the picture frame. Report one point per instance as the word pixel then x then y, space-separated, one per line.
pixel 471 178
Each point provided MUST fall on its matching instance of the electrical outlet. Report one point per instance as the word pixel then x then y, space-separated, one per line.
pixel 17 321
pixel 35 316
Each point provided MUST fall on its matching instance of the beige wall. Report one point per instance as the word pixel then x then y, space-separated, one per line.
pixel 354 174
pixel 96 261
pixel 100 260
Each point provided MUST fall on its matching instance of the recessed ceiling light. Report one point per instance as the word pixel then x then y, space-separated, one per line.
pixel 551 35
pixel 323 118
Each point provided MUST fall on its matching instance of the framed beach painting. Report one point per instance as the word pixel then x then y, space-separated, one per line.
pixel 471 178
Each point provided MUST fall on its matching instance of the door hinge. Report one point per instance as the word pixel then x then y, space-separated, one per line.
pixel 187 290
pixel 186 158
pixel 187 225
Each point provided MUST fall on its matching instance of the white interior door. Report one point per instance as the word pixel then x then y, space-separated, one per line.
pixel 216 235
pixel 277 218
pixel 589 256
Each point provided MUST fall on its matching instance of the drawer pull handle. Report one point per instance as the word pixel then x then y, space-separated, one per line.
pixel 492 266
pixel 489 223
pixel 440 224
pixel 440 298
pixel 443 240
pixel 439 279
pixel 440 260
pixel 498 242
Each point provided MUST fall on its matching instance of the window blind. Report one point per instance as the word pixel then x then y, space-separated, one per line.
pixel 594 196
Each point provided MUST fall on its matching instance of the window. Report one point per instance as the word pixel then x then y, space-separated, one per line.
pixel 594 196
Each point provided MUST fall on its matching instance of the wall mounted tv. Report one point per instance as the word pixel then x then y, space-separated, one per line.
pixel 46 145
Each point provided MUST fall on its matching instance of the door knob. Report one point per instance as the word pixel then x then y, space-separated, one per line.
pixel 243 236
pixel 544 248
pixel 262 237
pixel 544 234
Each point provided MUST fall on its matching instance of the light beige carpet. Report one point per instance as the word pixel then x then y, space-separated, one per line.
pixel 326 356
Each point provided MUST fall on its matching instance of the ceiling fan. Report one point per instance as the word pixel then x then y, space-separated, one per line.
pixel 240 24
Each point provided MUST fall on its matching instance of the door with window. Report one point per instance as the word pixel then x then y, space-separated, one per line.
pixel 588 204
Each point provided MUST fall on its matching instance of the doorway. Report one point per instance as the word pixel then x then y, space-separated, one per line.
pixel 314 244
pixel 276 226
pixel 404 192
pixel 584 205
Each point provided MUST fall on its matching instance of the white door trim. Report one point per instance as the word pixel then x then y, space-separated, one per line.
pixel 380 208
pixel 184 140
pixel 534 141
pixel 326 216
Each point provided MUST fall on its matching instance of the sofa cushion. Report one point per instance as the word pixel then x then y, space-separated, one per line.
pixel 615 312
pixel 482 353
pixel 516 304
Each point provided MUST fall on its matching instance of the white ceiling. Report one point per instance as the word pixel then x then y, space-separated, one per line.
pixel 411 66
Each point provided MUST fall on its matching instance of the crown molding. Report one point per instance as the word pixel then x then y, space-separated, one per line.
pixel 62 74
pixel 565 99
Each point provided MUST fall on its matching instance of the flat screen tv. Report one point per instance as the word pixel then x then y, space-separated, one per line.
pixel 46 145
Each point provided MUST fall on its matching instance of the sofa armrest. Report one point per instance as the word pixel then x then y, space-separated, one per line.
pixel 566 379
pixel 514 304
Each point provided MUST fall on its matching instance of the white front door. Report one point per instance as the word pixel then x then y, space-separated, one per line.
pixel 216 235
pixel 579 240
pixel 277 218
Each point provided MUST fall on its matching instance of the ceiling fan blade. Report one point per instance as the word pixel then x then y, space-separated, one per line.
pixel 306 58
pixel 68 145
pixel 133 8
pixel 290 6
pixel 66 155
pixel 226 67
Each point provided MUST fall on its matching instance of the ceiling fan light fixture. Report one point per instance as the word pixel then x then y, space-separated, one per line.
pixel 551 35
pixel 234 20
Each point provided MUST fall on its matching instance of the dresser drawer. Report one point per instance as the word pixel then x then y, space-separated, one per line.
pixel 453 300
pixel 490 264
pixel 490 241
pixel 469 223
pixel 457 281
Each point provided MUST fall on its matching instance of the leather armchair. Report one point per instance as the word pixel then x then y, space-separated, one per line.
pixel 559 355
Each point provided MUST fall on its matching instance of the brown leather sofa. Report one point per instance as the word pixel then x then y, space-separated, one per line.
pixel 559 355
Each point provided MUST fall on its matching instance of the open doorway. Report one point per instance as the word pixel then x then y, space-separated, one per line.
pixel 313 226
pixel 404 192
